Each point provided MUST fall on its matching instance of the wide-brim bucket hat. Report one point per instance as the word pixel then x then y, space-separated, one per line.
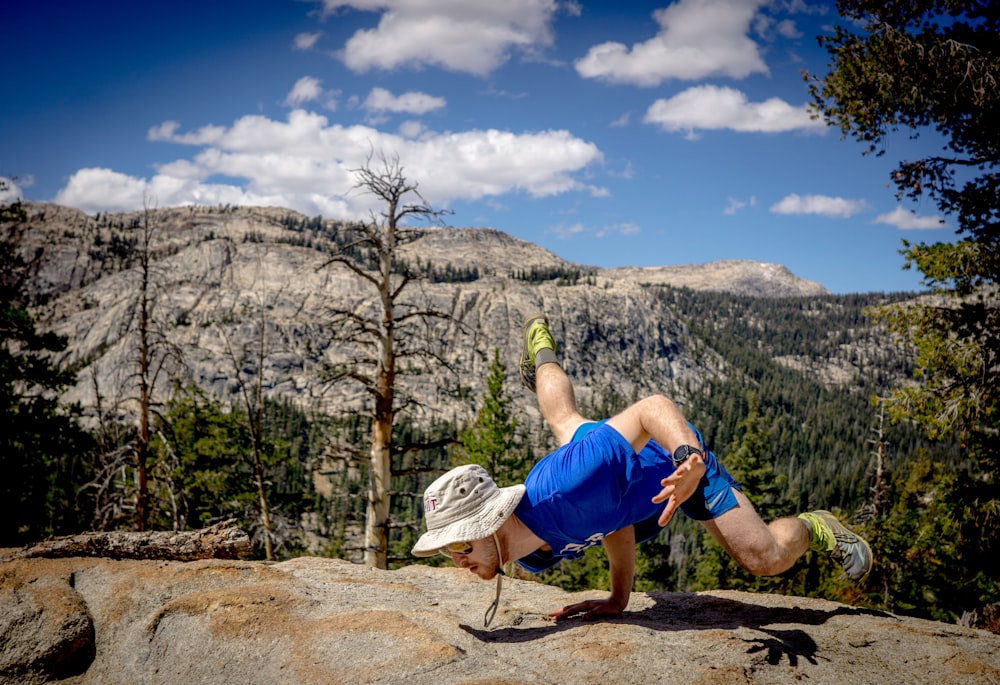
pixel 464 505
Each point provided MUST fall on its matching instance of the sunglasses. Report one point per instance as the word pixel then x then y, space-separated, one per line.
pixel 456 548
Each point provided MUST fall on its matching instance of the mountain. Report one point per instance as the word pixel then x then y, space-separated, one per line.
pixel 218 275
pixel 238 296
pixel 740 277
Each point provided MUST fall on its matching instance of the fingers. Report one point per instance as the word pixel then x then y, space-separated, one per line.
pixel 678 487
pixel 566 612
pixel 588 611
pixel 668 512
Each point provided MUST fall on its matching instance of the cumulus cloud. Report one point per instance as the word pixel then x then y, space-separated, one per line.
pixel 622 121
pixel 466 37
pixel 167 132
pixel 306 89
pixel 411 129
pixel 906 220
pixel 823 205
pixel 697 39
pixel 381 100
pixel 9 191
pixel 305 163
pixel 714 107
pixel 306 41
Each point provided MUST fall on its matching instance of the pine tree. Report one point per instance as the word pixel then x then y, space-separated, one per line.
pixel 41 444
pixel 492 441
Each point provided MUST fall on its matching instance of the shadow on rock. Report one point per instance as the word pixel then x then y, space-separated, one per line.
pixel 690 611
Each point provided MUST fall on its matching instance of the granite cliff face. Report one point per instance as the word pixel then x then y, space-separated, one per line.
pixel 312 620
pixel 228 284
pixel 739 276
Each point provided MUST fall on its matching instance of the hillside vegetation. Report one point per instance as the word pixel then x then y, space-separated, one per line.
pixel 240 338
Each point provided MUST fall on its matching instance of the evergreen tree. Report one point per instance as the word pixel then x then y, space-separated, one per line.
pixel 206 471
pixel 42 447
pixel 491 441
pixel 934 64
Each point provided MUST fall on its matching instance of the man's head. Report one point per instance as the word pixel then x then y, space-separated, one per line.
pixel 462 506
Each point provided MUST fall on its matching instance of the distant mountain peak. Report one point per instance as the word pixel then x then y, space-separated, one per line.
pixel 738 276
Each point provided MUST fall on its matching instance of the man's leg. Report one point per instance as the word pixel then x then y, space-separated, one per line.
pixel 762 549
pixel 542 374
pixel 770 549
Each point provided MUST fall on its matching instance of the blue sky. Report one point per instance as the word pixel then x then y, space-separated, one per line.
pixel 611 133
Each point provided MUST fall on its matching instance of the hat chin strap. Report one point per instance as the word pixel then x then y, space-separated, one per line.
pixel 491 611
pixel 496 541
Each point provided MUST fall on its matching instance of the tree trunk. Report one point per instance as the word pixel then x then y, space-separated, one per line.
pixel 377 515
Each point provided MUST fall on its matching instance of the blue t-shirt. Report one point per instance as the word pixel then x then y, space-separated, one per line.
pixel 597 484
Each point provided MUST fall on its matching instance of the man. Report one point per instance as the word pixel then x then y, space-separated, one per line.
pixel 606 485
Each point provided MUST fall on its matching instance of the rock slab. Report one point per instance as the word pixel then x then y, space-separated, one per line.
pixel 315 620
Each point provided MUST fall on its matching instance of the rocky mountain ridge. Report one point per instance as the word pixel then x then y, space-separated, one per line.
pixel 232 285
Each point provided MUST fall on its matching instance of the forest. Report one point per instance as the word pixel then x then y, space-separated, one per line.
pixel 795 438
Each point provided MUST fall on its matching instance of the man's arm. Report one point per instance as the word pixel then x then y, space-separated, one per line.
pixel 620 547
pixel 659 418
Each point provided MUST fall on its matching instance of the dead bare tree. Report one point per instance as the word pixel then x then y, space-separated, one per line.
pixel 151 357
pixel 384 333
pixel 252 394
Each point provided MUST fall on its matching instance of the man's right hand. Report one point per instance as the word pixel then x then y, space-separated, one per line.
pixel 679 486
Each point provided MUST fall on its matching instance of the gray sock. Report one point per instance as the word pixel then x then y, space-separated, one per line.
pixel 545 356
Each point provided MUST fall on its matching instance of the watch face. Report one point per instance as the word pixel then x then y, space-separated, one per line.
pixel 682 453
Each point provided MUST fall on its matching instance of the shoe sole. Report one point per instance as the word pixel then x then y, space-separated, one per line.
pixel 841 533
pixel 526 366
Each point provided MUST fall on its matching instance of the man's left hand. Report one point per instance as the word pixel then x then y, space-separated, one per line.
pixel 679 486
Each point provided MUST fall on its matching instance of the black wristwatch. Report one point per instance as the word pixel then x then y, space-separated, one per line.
pixel 682 453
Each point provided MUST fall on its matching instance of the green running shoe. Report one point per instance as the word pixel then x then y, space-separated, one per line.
pixel 536 337
pixel 845 546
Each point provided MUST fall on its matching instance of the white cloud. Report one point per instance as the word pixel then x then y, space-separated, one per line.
pixel 167 132
pixel 697 39
pixel 565 232
pixel 411 129
pixel 622 121
pixel 461 36
pixel 306 89
pixel 381 100
pixel 788 29
pixel 305 163
pixel 627 172
pixel 306 40
pixel 9 190
pixel 906 220
pixel 734 205
pixel 714 107
pixel 626 228
pixel 823 205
